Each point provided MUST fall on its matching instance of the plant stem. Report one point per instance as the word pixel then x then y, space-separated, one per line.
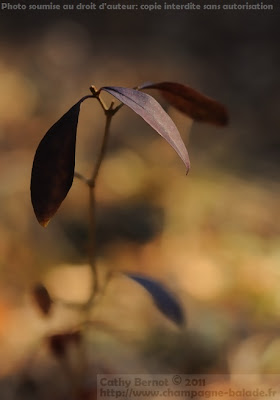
pixel 91 183
pixel 92 247
pixel 81 177
pixel 101 155
pixel 92 207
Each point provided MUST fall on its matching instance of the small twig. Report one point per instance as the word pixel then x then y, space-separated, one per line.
pixel 92 247
pixel 80 177
pixel 95 173
pixel 92 207
pixel 118 107
pixel 91 183
pixel 96 94
pixel 101 102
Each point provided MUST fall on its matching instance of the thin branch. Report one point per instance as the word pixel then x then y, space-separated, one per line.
pixel 92 244
pixel 118 107
pixel 101 102
pixel 81 177
pixel 109 112
pixel 95 173
pixel 96 95
pixel 92 208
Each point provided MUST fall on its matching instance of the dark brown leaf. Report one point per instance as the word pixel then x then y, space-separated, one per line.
pixel 152 112
pixel 187 100
pixel 53 166
pixel 42 298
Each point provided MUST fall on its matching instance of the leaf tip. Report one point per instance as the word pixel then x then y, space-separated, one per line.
pixel 222 116
pixel 225 119
pixel 44 223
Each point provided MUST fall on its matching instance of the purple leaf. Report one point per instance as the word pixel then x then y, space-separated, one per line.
pixel 152 112
pixel 53 166
pixel 192 103
pixel 163 299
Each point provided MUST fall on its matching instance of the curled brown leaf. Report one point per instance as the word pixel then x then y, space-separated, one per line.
pixel 192 103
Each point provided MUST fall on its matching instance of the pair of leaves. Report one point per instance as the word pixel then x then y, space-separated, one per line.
pixel 152 112
pixel 54 161
pixel 165 301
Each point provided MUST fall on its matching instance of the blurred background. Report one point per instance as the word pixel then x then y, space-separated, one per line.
pixel 211 237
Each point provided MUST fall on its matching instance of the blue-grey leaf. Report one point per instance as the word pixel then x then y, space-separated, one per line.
pixel 165 301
